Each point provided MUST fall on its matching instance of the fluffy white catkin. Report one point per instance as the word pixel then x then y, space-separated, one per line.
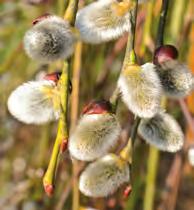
pixel 176 78
pixel 104 176
pixel 141 89
pixel 94 136
pixel 103 20
pixel 162 131
pixel 34 102
pixel 49 40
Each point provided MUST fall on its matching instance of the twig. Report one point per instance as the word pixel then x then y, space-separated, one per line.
pixel 162 22
pixel 64 196
pixel 172 184
pixel 62 134
pixel 70 13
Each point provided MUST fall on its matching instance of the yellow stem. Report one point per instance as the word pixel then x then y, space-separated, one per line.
pixel 151 178
pixel 62 133
pixel 74 116
pixel 70 13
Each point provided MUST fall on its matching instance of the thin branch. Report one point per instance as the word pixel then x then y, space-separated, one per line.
pixel 162 23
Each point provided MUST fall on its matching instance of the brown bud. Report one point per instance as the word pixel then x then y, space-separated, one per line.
pixel 40 18
pixel 97 107
pixel 64 145
pixel 53 76
pixel 165 53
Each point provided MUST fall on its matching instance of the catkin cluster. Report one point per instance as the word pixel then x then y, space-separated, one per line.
pixel 141 88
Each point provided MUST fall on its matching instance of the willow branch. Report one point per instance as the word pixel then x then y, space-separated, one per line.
pixel 162 23
pixel 70 13
pixel 62 134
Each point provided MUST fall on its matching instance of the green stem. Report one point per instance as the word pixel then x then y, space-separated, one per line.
pixel 162 23
pixel 126 152
pixel 130 55
pixel 151 178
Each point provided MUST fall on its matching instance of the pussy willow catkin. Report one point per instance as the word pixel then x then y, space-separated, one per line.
pixel 50 39
pixel 141 89
pixel 35 102
pixel 103 20
pixel 104 176
pixel 162 131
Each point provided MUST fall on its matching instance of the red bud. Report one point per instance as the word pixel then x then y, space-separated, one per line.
pixel 165 53
pixel 97 107
pixel 40 18
pixel 64 145
pixel 53 76
pixel 49 189
pixel 127 191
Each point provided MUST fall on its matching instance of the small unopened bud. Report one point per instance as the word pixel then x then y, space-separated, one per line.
pixel 51 38
pixel 163 132
pixel 64 145
pixel 191 155
pixel 103 20
pixel 40 18
pixel 97 107
pixel 96 133
pixel 35 102
pixel 165 53
pixel 176 78
pixel 127 191
pixel 104 176
pixel 49 189
pixel 141 89
pixel 55 76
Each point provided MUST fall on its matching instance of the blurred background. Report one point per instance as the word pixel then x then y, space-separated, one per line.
pixel 162 179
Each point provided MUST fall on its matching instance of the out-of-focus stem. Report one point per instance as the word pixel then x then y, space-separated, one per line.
pixel 151 178
pixel 177 18
pixel 147 26
pixel 75 84
pixel 74 116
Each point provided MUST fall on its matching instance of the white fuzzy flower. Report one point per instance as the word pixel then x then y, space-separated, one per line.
pixel 191 156
pixel 103 20
pixel 104 176
pixel 49 39
pixel 177 80
pixel 141 89
pixel 163 132
pixel 94 136
pixel 34 102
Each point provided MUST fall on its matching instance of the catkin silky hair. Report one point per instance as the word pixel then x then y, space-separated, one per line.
pixel 35 102
pixel 94 136
pixel 162 131
pixel 104 176
pixel 141 89
pixel 103 20
pixel 176 78
pixel 49 39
